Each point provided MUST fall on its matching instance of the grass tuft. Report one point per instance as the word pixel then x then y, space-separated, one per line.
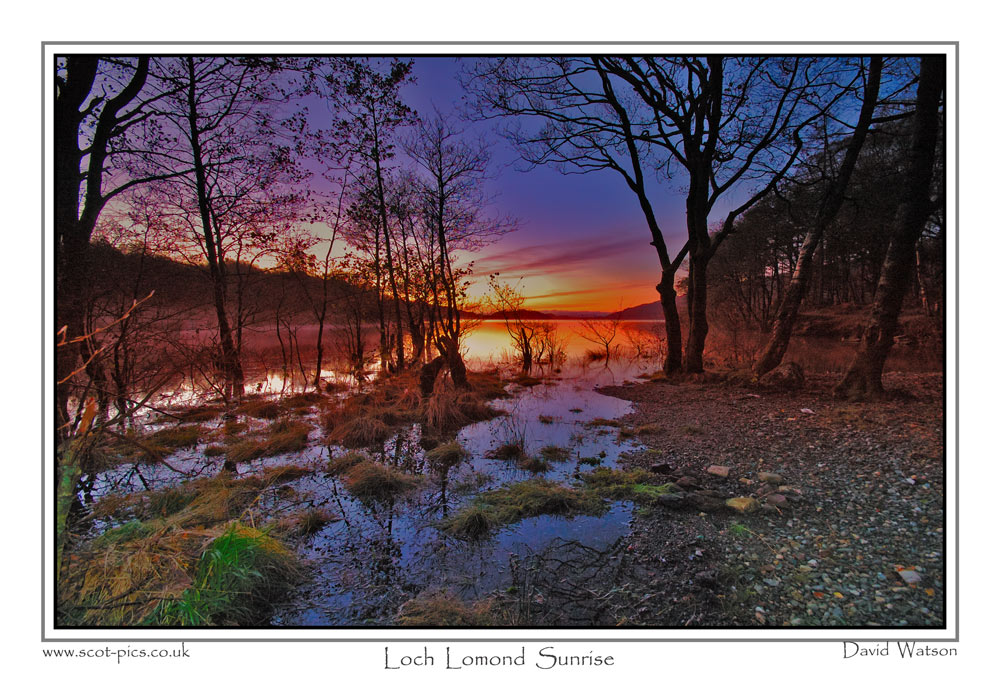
pixel 446 455
pixel 369 480
pixel 517 501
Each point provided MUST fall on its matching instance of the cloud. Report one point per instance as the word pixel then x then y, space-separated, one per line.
pixel 553 295
pixel 547 259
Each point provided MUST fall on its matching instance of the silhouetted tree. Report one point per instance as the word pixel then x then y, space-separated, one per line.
pixel 864 378
pixel 826 213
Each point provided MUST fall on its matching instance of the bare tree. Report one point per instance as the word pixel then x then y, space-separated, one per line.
pixel 98 105
pixel 601 332
pixel 454 171
pixel 239 196
pixel 724 122
pixel 864 378
pixel 826 213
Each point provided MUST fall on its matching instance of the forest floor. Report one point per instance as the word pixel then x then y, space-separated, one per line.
pixel 857 533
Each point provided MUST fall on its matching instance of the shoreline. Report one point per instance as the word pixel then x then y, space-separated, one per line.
pixel 865 503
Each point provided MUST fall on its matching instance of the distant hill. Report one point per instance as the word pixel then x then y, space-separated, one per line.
pixel 650 311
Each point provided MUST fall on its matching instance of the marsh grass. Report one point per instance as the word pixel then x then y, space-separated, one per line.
pixel 520 500
pixel 215 451
pixel 535 465
pixel 445 609
pixel 446 455
pixel 511 450
pixel 603 422
pixel 260 408
pixel 341 464
pixel 236 579
pixel 554 453
pixel 307 522
pixel 634 485
pixel 284 436
pixel 372 481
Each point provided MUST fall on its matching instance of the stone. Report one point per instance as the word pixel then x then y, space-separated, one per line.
pixel 718 470
pixel 785 376
pixel 770 509
pixel 672 501
pixel 687 482
pixel 661 468
pixel 744 506
pixel 910 576
pixel 745 481
pixel 771 478
pixel 777 500
pixel 705 503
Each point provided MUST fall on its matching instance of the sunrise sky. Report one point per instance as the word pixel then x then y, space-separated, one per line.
pixel 582 244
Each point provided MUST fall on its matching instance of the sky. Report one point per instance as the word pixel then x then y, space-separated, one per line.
pixel 582 242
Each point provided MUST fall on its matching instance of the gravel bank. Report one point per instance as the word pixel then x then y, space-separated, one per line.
pixel 862 500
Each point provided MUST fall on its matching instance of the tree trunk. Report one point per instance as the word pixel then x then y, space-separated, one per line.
pixel 697 310
pixel 781 333
pixel 231 365
pixel 864 378
pixel 668 302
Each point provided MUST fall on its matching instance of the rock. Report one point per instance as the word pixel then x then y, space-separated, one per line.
pixel 771 478
pixel 745 481
pixel 712 493
pixel 705 503
pixel 672 501
pixel 718 470
pixel 785 376
pixel 661 468
pixel 910 576
pixel 744 506
pixel 777 500
pixel 687 482
pixel 770 509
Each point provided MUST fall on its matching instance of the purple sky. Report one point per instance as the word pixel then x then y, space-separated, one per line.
pixel 582 243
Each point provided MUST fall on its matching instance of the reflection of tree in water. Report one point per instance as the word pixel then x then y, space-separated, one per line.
pixel 569 583
pixel 370 555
